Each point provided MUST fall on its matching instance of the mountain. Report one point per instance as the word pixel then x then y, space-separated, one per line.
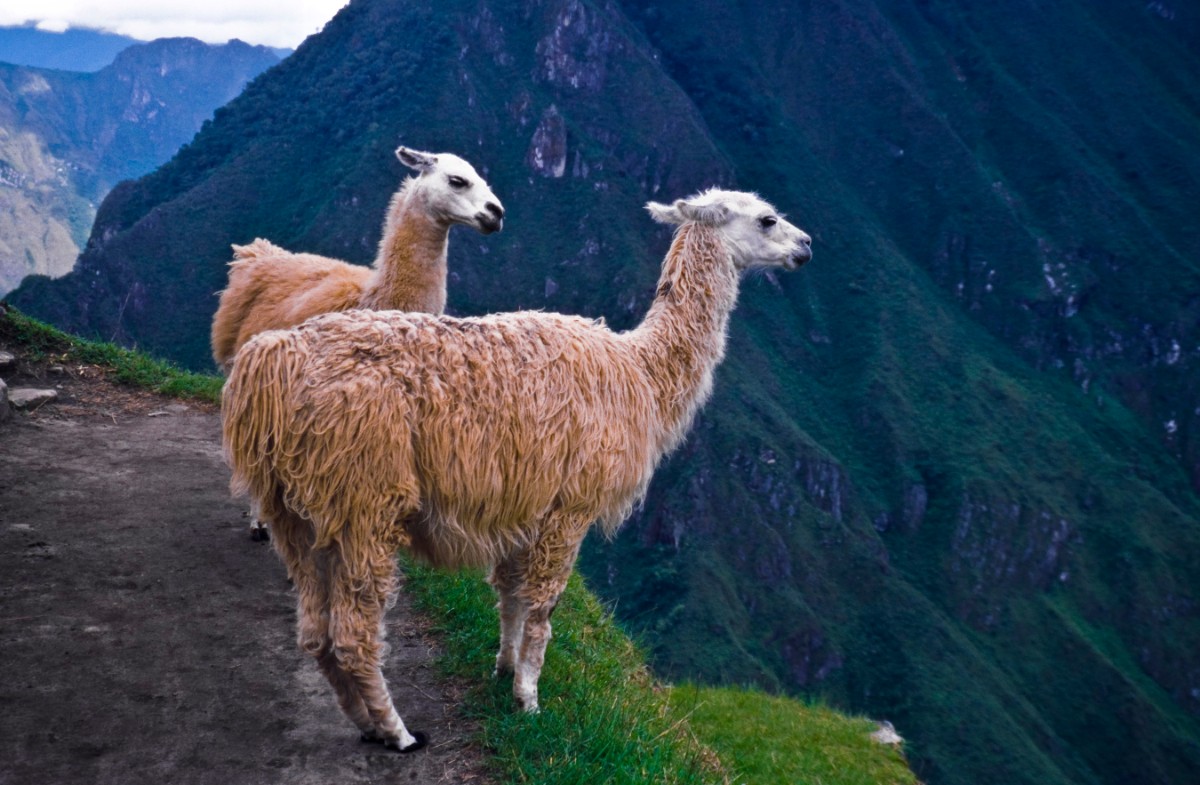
pixel 67 138
pixel 949 473
pixel 75 49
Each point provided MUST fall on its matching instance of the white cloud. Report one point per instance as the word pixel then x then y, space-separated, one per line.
pixel 53 25
pixel 269 22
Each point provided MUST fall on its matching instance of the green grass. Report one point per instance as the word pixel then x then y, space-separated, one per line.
pixel 768 739
pixel 41 341
pixel 605 720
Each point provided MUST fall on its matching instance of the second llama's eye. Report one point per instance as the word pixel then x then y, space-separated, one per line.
pixel 456 182
pixel 767 221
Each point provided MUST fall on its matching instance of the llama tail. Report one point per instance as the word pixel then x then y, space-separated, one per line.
pixel 259 249
pixel 239 298
pixel 254 416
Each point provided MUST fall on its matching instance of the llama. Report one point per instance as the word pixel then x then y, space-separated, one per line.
pixel 271 288
pixel 494 441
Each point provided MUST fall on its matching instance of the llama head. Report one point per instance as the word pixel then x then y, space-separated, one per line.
pixel 452 190
pixel 753 231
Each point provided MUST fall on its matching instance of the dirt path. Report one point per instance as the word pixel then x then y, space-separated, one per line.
pixel 145 639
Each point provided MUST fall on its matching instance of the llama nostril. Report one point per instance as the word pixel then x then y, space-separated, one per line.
pixel 496 210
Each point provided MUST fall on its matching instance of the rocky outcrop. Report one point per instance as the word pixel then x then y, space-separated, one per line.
pixel 1000 546
pixel 30 398
pixel 548 148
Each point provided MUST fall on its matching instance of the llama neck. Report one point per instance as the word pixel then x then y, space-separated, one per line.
pixel 410 267
pixel 682 338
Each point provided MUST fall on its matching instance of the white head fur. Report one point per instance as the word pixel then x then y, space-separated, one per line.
pixel 453 190
pixel 753 231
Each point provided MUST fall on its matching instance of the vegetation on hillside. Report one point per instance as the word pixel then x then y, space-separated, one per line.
pixel 41 341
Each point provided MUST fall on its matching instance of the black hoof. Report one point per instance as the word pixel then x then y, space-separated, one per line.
pixel 260 535
pixel 370 737
pixel 422 741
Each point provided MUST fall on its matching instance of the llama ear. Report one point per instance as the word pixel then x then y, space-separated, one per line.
pixel 708 214
pixel 415 159
pixel 664 213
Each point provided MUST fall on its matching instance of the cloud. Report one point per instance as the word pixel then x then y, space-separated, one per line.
pixel 269 22
pixel 53 25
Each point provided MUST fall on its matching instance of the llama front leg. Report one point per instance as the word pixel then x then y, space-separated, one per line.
pixel 506 578
pixel 358 597
pixel 547 569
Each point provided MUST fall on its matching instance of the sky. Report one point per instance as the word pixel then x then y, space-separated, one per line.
pixel 269 22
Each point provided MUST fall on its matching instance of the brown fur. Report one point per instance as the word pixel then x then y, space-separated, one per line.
pixel 491 441
pixel 271 288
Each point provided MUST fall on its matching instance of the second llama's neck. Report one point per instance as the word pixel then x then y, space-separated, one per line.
pixel 682 339
pixel 410 267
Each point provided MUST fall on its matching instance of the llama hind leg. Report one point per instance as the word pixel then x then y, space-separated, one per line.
pixel 547 568
pixel 359 594
pixel 308 570
pixel 506 578
pixel 344 686
pixel 258 527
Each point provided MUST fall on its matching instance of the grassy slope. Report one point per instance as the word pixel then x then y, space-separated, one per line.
pixel 128 367
pixel 605 718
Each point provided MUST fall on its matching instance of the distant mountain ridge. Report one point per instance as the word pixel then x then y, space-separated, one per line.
pixel 67 138
pixel 75 49
pixel 949 473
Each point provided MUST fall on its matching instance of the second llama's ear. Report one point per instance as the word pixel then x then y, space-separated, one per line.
pixel 714 214
pixel 664 213
pixel 415 159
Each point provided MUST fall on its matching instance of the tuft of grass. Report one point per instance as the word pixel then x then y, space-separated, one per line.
pixel 767 739
pixel 43 342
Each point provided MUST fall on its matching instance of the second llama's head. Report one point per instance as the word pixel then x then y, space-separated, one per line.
pixel 753 231
pixel 453 191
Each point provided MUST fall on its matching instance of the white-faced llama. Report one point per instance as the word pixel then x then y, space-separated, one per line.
pixel 484 441
pixel 271 288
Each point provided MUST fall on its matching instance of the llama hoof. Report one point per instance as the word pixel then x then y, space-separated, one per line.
pixel 502 671
pixel 420 742
pixel 370 737
pixel 260 535
pixel 528 705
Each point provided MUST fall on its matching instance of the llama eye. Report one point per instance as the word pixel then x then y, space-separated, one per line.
pixel 767 221
pixel 456 182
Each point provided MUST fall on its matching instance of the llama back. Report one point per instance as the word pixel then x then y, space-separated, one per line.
pixel 271 288
pixel 491 422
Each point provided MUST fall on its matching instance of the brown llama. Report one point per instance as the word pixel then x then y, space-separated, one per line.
pixel 485 441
